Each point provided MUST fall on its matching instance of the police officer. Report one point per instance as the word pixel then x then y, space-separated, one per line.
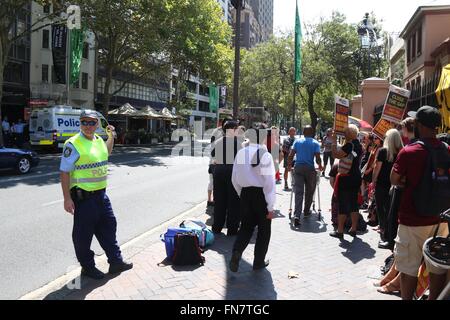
pixel 84 168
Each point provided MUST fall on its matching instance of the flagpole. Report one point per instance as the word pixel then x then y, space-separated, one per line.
pixel 68 66
pixel 294 105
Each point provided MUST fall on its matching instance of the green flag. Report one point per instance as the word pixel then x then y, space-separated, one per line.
pixel 213 98
pixel 76 51
pixel 298 48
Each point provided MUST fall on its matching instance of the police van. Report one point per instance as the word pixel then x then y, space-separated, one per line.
pixel 51 127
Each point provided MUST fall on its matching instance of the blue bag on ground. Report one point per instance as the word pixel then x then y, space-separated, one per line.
pixel 205 235
pixel 169 239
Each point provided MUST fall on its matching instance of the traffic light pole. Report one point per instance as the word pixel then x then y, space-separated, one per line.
pixel 237 60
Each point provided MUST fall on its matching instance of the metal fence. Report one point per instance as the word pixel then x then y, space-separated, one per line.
pixel 424 93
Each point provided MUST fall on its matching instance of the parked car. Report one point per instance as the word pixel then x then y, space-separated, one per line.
pixel 20 160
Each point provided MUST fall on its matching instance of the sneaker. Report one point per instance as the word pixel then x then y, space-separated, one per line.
pixel 260 266
pixel 336 234
pixel 93 273
pixel 234 262
pixel 120 267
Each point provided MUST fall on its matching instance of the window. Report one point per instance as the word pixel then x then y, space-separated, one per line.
pixel 419 41
pixel 86 50
pixel 53 75
pixel 408 53
pixel 46 8
pixel 45 38
pixel 45 73
pixel 84 80
pixel 413 47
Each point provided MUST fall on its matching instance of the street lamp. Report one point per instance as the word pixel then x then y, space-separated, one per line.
pixel 367 36
pixel 238 5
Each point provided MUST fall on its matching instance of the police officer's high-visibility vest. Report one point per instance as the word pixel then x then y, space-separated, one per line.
pixel 91 169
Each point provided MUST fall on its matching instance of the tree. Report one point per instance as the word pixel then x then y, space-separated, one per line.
pixel 198 43
pixel 9 10
pixel 129 39
pixel 267 75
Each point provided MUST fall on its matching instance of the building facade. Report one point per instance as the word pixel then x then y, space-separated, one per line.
pixel 427 37
pixel 16 76
pixel 263 10
pixel 45 91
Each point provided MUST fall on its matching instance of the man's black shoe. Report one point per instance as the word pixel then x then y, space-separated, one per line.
pixel 260 266
pixel 234 262
pixel 352 233
pixel 336 234
pixel 385 245
pixel 93 273
pixel 120 267
pixel 210 204
pixel 297 222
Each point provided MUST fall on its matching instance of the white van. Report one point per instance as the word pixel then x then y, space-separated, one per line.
pixel 52 126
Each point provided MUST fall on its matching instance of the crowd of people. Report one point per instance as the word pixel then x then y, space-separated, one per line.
pixel 372 173
pixel 14 134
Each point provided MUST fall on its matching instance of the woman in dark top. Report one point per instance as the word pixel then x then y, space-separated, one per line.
pixel 226 200
pixel 381 176
pixel 348 183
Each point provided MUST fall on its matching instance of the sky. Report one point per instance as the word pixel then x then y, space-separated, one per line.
pixel 395 14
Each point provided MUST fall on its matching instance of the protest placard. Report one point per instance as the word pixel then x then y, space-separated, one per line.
pixel 342 109
pixel 382 127
pixel 396 102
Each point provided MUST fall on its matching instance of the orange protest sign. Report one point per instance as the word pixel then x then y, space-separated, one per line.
pixel 341 113
pixel 395 106
pixel 382 127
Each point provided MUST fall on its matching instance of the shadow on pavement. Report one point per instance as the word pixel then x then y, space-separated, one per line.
pixel 357 250
pixel 311 225
pixel 79 288
pixel 245 284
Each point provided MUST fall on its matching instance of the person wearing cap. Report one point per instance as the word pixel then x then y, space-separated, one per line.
pixel 84 169
pixel 254 181
pixel 414 229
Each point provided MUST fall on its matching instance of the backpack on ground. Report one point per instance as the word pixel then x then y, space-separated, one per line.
pixel 187 250
pixel 362 224
pixel 432 194
pixel 204 234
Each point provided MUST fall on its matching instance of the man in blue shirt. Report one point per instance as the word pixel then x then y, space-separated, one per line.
pixel 305 149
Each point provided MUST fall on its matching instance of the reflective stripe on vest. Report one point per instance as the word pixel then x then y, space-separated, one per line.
pixel 91 169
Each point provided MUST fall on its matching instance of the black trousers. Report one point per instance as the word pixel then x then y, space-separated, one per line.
pixel 383 203
pixel 396 196
pixel 254 212
pixel 226 200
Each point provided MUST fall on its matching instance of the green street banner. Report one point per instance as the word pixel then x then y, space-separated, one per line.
pixel 76 51
pixel 298 49
pixel 213 98
pixel 396 102
pixel 341 113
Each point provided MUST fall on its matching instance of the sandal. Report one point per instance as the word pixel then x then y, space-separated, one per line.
pixel 388 289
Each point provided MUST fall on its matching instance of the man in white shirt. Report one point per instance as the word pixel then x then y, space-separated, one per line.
pixel 254 180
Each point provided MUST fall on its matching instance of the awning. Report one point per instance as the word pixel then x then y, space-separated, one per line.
pixel 148 112
pixel 443 98
pixel 126 110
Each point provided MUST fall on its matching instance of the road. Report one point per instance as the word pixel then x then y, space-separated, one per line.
pixel 147 186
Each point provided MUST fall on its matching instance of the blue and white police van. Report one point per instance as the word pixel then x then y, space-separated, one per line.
pixel 51 127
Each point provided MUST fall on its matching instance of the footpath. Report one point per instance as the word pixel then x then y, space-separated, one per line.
pixel 305 264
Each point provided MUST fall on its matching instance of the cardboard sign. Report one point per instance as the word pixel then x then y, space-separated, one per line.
pixel 382 127
pixel 396 102
pixel 342 110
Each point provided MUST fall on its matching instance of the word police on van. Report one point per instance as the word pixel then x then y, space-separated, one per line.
pixel 52 126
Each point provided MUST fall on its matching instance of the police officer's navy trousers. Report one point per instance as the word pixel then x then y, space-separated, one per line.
pixel 94 216
pixel 226 200
pixel 254 213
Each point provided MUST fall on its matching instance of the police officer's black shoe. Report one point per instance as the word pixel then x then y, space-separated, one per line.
pixel 234 262
pixel 93 273
pixel 120 267
pixel 260 266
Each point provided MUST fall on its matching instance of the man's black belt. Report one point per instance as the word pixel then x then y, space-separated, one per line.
pixel 78 194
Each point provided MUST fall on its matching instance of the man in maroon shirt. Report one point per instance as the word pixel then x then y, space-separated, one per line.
pixel 414 229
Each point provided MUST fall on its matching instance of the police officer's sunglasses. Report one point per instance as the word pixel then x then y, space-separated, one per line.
pixel 91 123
